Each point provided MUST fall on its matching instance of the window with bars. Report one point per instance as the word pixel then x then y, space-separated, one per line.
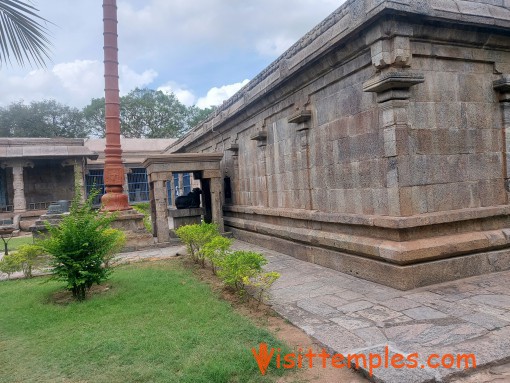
pixel 186 186
pixel 95 180
pixel 186 181
pixel 138 185
pixel 169 192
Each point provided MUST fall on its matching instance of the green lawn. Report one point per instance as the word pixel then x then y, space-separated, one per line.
pixel 16 242
pixel 157 323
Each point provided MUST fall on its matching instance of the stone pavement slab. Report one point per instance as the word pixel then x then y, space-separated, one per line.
pixel 349 315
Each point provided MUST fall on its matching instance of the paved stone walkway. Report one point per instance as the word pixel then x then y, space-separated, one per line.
pixel 350 315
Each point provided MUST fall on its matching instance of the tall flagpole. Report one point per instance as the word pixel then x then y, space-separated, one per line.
pixel 114 199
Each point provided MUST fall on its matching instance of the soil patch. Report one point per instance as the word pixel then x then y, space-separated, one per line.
pixel 65 297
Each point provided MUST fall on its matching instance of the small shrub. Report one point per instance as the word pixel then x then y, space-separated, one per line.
pixel 81 246
pixel 216 250
pixel 145 209
pixel 11 263
pixel 261 283
pixel 237 266
pixel 31 256
pixel 195 237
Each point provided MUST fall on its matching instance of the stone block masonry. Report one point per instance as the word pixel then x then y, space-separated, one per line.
pixel 377 144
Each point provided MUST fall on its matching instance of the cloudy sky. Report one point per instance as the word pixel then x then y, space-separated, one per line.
pixel 203 51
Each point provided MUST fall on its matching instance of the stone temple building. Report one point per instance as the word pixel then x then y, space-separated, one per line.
pixel 377 144
pixel 34 172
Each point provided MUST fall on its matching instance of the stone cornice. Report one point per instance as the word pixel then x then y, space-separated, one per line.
pixel 393 80
pixel 183 158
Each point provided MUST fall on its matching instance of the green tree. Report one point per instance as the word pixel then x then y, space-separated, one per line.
pixel 94 115
pixel 152 114
pixel 146 113
pixel 46 118
pixel 196 116
pixel 22 34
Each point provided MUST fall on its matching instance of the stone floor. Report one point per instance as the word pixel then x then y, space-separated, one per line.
pixel 350 315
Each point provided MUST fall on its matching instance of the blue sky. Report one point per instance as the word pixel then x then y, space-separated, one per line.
pixel 203 50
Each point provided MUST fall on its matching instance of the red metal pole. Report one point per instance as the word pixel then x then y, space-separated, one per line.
pixel 114 199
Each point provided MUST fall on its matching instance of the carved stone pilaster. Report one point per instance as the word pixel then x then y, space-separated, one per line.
pixel 502 86
pixel 392 89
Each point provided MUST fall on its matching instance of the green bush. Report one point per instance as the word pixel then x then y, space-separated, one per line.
pixel 31 256
pixel 216 250
pixel 237 269
pixel 195 237
pixel 145 209
pixel 238 266
pixel 11 263
pixel 81 246
pixel 261 282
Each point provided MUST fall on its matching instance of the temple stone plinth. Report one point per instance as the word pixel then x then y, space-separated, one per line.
pixel 183 217
pixel 131 223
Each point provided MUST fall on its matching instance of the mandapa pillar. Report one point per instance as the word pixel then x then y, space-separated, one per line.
pixel 160 210
pixel 20 203
pixel 216 204
pixel 79 179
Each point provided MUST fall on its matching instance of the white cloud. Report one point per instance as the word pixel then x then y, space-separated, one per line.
pixel 215 96
pixel 72 83
pixel 130 80
pixel 80 78
pixel 183 95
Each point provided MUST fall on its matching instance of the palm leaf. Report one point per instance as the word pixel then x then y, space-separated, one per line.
pixel 22 34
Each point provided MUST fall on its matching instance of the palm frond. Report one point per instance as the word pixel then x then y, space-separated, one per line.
pixel 22 34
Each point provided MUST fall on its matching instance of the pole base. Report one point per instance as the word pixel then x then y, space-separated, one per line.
pixel 115 202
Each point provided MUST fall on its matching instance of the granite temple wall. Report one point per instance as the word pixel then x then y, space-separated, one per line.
pixel 377 144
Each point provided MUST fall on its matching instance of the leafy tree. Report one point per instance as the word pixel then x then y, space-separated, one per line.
pixel 45 118
pixel 146 113
pixel 94 117
pixel 196 116
pixel 152 114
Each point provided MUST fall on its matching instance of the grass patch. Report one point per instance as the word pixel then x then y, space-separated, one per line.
pixel 16 242
pixel 156 323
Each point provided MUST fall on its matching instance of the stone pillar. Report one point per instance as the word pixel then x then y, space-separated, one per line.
pixel 161 211
pixel 20 203
pixel 172 191
pixel 79 181
pixel 216 198
pixel 502 86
